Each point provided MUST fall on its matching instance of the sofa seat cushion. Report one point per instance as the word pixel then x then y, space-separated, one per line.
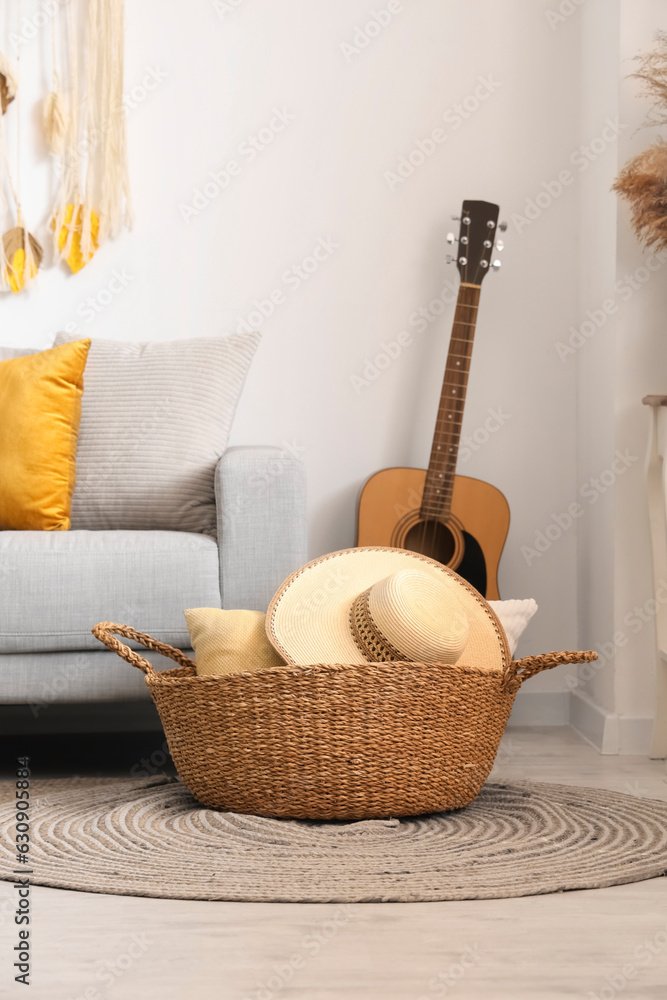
pixel 54 586
pixel 67 677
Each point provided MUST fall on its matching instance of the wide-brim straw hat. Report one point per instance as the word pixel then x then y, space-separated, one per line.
pixel 375 604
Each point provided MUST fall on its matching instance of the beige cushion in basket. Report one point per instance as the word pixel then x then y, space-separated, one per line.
pixel 230 642
pixel 155 420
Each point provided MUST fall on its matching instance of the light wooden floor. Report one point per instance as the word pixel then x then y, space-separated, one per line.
pixel 541 947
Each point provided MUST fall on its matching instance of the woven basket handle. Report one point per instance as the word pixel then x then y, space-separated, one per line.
pixel 520 670
pixel 103 630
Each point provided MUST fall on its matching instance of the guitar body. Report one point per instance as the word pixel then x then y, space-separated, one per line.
pixel 469 539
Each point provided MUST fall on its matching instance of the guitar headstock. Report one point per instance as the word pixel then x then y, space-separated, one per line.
pixel 477 240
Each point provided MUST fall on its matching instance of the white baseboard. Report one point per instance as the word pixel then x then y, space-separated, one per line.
pixel 540 708
pixel 607 732
pixel 592 722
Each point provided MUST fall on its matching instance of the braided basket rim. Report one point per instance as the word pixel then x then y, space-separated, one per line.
pixel 185 675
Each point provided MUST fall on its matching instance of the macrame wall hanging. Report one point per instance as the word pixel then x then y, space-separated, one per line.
pixel 94 193
pixel 84 127
pixel 20 253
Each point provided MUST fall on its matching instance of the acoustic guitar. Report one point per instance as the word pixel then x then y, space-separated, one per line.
pixel 459 521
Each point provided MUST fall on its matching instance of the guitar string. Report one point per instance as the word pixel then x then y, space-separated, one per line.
pixel 454 432
pixel 459 380
pixel 464 214
pixel 453 436
pixel 434 519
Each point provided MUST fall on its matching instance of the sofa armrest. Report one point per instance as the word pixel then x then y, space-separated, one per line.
pixel 260 496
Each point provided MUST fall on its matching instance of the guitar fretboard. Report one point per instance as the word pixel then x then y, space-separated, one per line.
pixel 439 485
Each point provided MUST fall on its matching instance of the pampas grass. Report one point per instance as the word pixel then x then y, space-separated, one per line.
pixel 643 183
pixel 643 179
pixel 652 74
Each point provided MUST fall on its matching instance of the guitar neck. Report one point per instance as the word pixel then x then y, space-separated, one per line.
pixel 439 484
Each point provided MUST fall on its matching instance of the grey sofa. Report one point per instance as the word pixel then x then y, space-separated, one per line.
pixel 54 586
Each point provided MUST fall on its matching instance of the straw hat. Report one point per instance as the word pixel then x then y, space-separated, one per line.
pixel 373 604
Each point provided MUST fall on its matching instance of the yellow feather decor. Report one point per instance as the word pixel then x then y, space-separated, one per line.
pixel 70 237
pixel 22 256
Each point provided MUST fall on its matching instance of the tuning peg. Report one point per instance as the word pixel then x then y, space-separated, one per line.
pixel 497 264
pixel 463 260
pixel 502 226
pixel 466 220
pixel 450 237
pixel 500 245
pixel 456 218
pixel 449 259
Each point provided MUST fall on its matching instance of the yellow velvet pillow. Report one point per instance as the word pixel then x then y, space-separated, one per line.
pixel 40 409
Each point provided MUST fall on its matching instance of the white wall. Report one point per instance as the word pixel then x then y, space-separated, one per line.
pixel 618 365
pixel 594 354
pixel 323 178
pixel 642 369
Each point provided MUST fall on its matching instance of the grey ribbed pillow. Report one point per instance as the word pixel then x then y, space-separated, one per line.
pixel 155 420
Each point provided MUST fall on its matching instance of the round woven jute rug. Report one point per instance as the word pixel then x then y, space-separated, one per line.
pixel 149 837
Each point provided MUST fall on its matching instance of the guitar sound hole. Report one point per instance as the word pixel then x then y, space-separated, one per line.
pixel 432 539
pixel 473 565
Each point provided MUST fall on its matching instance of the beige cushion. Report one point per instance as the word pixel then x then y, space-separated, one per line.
pixel 230 642
pixel 155 420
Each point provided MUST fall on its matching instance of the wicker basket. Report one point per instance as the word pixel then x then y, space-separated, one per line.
pixel 333 741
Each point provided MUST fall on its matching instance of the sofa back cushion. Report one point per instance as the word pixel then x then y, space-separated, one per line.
pixel 7 353
pixel 155 421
